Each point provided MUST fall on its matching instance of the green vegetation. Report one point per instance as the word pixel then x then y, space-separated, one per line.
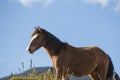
pixel 49 75
pixel 34 76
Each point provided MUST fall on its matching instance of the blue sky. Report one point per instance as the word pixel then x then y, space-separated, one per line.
pixel 78 22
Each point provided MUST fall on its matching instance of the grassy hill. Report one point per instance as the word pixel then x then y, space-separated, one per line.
pixel 29 73
pixel 40 73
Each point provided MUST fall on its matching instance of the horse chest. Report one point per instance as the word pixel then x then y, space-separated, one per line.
pixel 57 61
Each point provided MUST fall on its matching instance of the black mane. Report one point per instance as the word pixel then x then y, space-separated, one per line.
pixel 56 45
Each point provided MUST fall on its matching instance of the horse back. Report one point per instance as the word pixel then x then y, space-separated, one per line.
pixel 80 61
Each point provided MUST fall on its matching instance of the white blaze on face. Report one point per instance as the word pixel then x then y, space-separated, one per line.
pixel 33 37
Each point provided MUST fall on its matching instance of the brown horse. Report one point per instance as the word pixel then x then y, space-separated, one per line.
pixel 67 59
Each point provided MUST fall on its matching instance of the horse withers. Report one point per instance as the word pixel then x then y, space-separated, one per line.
pixel 68 59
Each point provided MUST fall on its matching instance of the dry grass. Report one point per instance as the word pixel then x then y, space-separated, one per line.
pixel 33 76
pixel 49 75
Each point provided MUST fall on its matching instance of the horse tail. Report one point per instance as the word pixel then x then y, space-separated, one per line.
pixel 116 76
pixel 110 69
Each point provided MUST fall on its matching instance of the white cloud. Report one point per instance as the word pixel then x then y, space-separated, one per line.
pixel 100 2
pixel 28 3
pixel 117 6
pixel 110 4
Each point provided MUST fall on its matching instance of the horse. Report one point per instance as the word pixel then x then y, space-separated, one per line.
pixel 70 60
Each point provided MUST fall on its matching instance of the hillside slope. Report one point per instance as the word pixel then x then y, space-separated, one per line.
pixel 40 70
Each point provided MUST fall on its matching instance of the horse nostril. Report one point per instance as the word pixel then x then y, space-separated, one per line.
pixel 28 49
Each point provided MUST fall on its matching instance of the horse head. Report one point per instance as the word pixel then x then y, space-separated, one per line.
pixel 37 40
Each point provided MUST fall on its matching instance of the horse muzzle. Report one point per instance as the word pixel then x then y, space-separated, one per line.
pixel 30 50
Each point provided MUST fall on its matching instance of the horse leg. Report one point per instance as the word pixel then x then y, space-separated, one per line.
pixel 102 71
pixel 58 75
pixel 95 76
pixel 62 76
pixel 65 76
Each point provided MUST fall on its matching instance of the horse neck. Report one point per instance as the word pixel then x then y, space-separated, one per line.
pixel 53 46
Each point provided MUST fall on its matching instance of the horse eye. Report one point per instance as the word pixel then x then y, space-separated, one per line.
pixel 38 36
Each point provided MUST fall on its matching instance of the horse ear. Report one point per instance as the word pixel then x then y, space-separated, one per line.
pixel 38 28
pixel 35 27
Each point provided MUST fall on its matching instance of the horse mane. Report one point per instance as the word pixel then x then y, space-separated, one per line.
pixel 55 44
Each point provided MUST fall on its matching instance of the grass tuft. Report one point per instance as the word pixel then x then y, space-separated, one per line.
pixel 34 76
